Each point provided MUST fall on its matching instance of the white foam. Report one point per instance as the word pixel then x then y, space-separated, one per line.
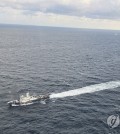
pixel 87 89
pixel 43 102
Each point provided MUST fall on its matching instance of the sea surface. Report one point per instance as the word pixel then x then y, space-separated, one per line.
pixel 80 68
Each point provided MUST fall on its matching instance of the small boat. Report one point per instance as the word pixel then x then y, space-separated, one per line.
pixel 27 100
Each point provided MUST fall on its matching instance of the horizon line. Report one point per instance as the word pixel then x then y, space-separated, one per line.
pixel 85 28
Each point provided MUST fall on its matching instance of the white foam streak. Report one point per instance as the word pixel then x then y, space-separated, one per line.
pixel 88 89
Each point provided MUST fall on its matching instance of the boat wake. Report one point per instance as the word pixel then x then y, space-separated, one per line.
pixel 87 89
pixel 28 99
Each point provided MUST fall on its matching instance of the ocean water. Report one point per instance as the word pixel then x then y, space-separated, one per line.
pixel 80 68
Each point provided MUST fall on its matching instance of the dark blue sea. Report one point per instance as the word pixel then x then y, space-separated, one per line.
pixel 43 60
